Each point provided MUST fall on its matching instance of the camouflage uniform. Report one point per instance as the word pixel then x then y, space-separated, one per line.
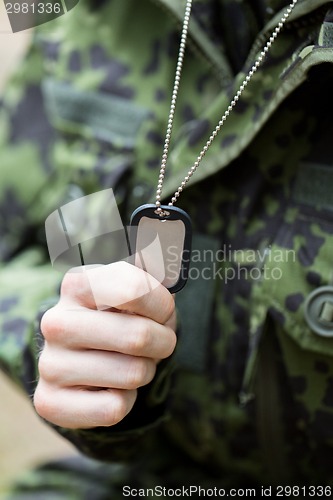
pixel 247 399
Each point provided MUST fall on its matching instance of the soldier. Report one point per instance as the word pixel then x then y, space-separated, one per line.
pixel 245 399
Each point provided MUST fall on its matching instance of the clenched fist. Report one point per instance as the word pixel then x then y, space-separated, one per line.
pixel 103 341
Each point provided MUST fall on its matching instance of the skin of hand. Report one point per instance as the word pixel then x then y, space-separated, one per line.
pixel 95 358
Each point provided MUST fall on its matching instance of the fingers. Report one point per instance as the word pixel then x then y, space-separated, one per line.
pixel 110 331
pixel 102 342
pixel 83 409
pixel 100 369
pixel 121 286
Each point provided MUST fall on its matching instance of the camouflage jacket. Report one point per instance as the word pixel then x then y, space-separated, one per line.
pixel 247 398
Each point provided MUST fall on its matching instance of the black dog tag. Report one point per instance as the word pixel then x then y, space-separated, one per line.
pixel 161 245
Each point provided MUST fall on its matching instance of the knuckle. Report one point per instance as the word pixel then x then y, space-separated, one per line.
pixel 139 373
pixel 69 283
pixel 52 324
pixel 113 411
pixel 171 343
pixel 169 305
pixel 139 338
pixel 166 305
pixel 43 402
pixel 73 282
pixel 48 368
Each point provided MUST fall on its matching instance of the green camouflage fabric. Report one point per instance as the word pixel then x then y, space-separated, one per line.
pixel 247 398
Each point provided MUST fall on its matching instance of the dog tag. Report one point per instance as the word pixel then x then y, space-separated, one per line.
pixel 161 245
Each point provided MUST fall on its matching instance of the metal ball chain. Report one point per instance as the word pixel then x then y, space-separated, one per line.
pixel 232 104
pixel 179 66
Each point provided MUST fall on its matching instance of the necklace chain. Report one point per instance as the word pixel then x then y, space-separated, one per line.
pixel 227 112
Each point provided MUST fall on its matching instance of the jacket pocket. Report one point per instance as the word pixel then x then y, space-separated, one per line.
pixel 294 304
pixel 96 133
pixel 299 269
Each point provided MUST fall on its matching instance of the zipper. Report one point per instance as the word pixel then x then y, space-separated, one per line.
pixel 217 62
pixel 310 19
pixel 269 411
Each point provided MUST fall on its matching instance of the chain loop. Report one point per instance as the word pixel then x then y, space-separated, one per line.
pixel 220 124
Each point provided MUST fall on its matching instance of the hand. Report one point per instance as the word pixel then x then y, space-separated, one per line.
pixel 94 360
